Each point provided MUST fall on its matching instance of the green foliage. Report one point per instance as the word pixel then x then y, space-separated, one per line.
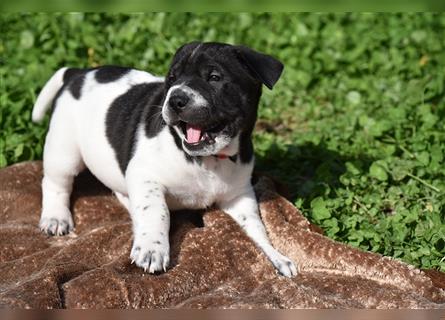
pixel 355 126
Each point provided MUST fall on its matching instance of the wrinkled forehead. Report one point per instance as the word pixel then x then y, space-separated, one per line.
pixel 203 55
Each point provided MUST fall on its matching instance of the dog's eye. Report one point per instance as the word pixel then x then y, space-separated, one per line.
pixel 214 77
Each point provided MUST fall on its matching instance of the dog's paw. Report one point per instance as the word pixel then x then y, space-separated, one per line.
pixel 54 226
pixel 284 265
pixel 152 255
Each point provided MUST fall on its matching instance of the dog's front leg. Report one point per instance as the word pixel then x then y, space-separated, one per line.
pixel 151 224
pixel 244 210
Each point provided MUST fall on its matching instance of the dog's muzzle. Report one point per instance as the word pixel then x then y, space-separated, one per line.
pixel 188 112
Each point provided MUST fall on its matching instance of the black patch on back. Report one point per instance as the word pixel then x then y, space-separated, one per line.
pixel 76 86
pixel 73 79
pixel 72 73
pixel 107 74
pixel 127 111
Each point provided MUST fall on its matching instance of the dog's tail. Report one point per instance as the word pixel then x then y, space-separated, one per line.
pixel 47 95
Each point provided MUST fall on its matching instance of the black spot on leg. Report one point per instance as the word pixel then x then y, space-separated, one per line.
pixel 161 233
pixel 144 233
pixel 243 218
pixel 136 250
pixel 145 208
pixel 156 242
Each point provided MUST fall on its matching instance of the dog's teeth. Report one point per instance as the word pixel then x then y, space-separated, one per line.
pixel 205 136
pixel 210 139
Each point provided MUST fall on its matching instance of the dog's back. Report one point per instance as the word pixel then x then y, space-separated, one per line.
pixel 82 99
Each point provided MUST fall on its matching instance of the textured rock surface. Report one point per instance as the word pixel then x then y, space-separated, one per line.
pixel 213 263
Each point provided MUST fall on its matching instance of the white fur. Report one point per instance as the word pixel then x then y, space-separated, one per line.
pixel 197 99
pixel 158 177
pixel 47 94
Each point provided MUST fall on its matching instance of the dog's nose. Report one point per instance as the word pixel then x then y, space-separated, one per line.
pixel 178 100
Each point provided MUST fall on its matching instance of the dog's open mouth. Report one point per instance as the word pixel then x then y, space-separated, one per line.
pixel 196 136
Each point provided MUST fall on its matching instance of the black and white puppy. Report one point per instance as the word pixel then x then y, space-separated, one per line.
pixel 183 142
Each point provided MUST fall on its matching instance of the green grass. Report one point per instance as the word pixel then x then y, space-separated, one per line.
pixel 355 126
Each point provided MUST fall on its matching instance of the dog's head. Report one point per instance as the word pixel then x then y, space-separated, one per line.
pixel 212 92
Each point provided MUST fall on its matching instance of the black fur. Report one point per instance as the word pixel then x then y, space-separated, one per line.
pixel 73 79
pixel 262 67
pixel 152 116
pixel 125 114
pixel 72 73
pixel 107 74
pixel 234 97
pixel 76 85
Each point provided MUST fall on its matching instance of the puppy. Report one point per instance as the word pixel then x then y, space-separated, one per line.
pixel 183 142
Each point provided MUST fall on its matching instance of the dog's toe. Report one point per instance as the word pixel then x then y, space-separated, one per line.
pixel 159 262
pixel 152 256
pixel 56 226
pixel 284 265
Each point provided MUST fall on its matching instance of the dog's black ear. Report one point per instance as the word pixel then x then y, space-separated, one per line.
pixel 263 67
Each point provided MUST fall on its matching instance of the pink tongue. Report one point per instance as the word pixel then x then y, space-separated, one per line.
pixel 193 134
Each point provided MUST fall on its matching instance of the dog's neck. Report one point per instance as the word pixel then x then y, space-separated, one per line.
pixel 231 150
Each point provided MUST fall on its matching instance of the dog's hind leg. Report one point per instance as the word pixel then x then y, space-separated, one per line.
pixel 124 200
pixel 61 163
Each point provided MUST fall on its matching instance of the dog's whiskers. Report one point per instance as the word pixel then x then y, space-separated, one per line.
pixel 155 105
pixel 156 114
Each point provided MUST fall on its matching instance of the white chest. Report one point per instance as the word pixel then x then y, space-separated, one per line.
pixel 202 185
pixel 189 185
